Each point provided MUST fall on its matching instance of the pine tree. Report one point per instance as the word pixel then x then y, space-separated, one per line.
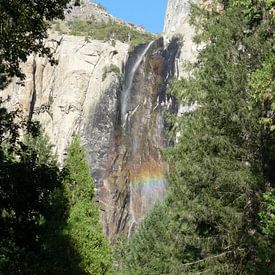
pixel 23 31
pixel 83 224
pixel 153 249
pixel 27 183
pixel 218 166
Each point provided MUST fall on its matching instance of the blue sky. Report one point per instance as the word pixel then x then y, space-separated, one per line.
pixel 149 13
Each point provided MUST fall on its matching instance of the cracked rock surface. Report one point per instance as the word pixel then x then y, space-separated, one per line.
pixel 63 97
pixel 120 118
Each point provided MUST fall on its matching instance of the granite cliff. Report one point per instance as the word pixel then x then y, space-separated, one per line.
pixel 177 24
pixel 115 97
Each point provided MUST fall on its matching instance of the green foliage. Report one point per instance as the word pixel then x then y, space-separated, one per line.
pixel 222 162
pixel 105 31
pixel 268 217
pixel 34 208
pixel 27 181
pixel 268 228
pixel 110 69
pixel 83 225
pixel 23 30
pixel 263 85
pixel 42 147
pixel 256 12
pixel 78 181
pixel 153 249
pixel 49 223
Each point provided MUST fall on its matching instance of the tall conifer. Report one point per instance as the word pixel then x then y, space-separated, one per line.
pixel 219 164
pixel 83 224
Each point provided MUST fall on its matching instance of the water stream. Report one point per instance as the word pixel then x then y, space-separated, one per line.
pixel 132 212
pixel 135 178
pixel 127 91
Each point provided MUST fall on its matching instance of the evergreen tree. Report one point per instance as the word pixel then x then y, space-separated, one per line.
pixel 33 204
pixel 222 163
pixel 27 183
pixel 153 249
pixel 83 224
pixel 268 227
pixel 23 30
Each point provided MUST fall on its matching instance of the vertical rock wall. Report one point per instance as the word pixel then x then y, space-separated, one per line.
pixel 65 97
pixel 132 177
pixel 120 118
pixel 177 24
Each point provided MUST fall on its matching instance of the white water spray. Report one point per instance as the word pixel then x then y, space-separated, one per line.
pixel 127 91
pixel 132 212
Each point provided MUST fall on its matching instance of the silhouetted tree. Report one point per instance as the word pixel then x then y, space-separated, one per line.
pixel 33 203
pixel 23 29
pixel 26 185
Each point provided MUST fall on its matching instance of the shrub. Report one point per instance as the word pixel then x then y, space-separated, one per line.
pixel 104 31
pixel 110 69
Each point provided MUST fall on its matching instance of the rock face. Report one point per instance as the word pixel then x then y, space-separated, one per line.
pixel 64 97
pixel 120 118
pixel 133 176
pixel 177 25
pixel 89 11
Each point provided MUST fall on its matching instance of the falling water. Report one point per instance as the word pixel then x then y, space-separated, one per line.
pixel 135 178
pixel 132 212
pixel 127 91
pixel 147 186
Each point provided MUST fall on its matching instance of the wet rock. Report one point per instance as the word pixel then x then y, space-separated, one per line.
pixel 132 180
pixel 120 118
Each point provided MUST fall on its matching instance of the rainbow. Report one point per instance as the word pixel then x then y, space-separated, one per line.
pixel 147 185
pixel 147 170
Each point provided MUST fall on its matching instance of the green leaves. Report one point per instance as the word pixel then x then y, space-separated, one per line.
pixel 268 217
pixel 111 31
pixel 110 69
pixel 263 86
pixel 78 179
pixel 23 29
pixel 46 226
pixel 28 180
pixel 222 161
pixel 83 224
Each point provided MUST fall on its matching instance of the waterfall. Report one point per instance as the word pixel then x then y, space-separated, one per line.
pixel 132 212
pixel 127 91
pixel 135 170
